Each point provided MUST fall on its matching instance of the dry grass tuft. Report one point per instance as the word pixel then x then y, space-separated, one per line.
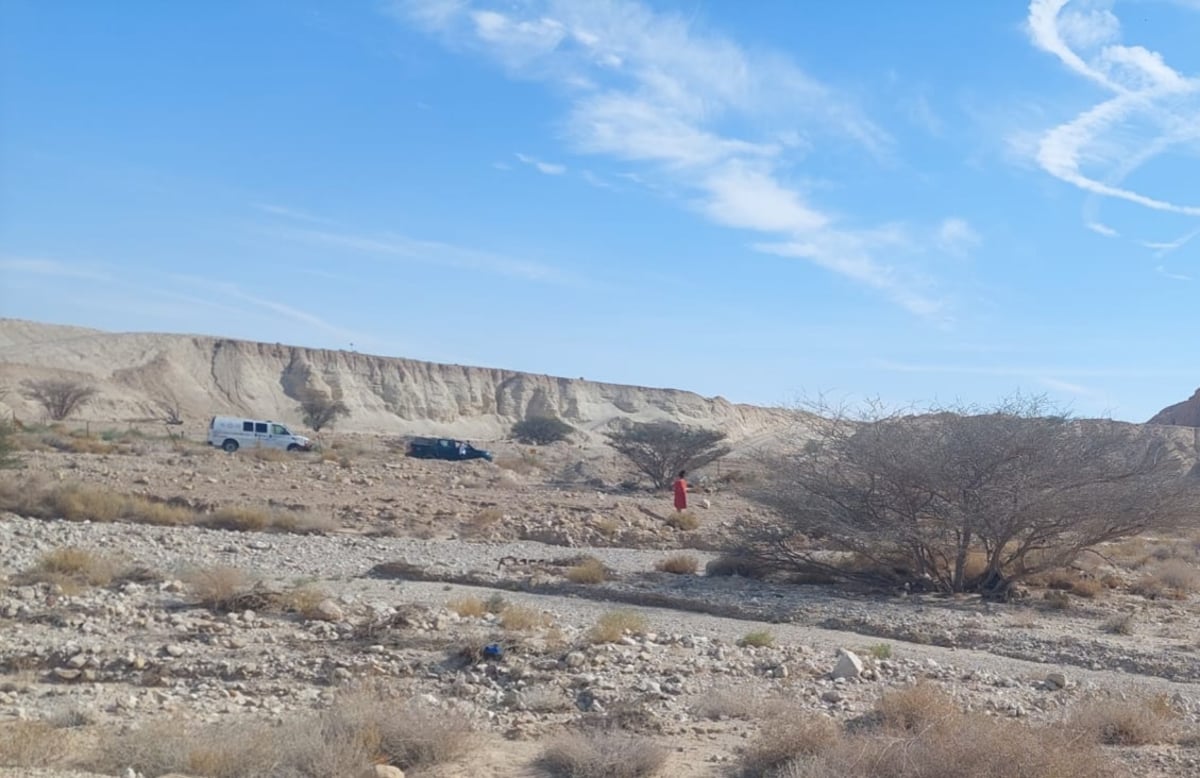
pixel 759 638
pixel 1139 721
pixel 360 730
pixel 518 618
pixel 915 708
pixel 602 753
pixel 921 734
pixel 31 744
pixel 267 454
pixel 225 589
pixel 472 607
pixel 72 569
pixel 614 625
pixel 730 703
pixel 589 570
pixel 736 564
pixel 786 737
pixel 248 518
pixel 684 521
pixel 1120 624
pixel 679 564
pixel 303 600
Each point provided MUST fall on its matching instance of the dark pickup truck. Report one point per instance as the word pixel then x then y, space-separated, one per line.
pixel 445 448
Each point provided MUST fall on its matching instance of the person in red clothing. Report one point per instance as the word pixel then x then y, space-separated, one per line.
pixel 681 491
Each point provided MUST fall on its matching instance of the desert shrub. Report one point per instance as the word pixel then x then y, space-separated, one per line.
pixel 468 606
pixel 8 445
pixel 1056 600
pixel 679 564
pixel 614 625
pixel 224 589
pixel 1177 575
pixel 745 566
pixel 249 518
pixel 1120 624
pixel 785 737
pixel 542 430
pixel 926 483
pixel 30 744
pixel 685 521
pixel 495 603
pixel 588 571
pixel 1087 588
pixel 730 703
pixel 880 651
pixel 72 568
pixel 320 410
pixel 520 619
pixel 759 638
pixel 59 397
pixel 1138 721
pixel 602 753
pixel 915 708
pixel 303 599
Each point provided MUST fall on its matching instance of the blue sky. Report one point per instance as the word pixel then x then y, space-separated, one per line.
pixel 934 201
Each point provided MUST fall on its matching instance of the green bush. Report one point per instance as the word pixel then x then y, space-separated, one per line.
pixel 541 430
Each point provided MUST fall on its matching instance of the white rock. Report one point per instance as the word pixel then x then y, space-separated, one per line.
pixel 1056 680
pixel 848 665
pixel 383 771
pixel 328 610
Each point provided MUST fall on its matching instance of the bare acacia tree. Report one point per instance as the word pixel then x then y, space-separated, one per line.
pixel 963 500
pixel 660 449
pixel 59 397
pixel 320 410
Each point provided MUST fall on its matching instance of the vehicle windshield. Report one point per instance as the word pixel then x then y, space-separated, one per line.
pixel 279 429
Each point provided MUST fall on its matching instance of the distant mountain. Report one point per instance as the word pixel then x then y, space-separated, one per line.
pixel 141 375
pixel 1184 414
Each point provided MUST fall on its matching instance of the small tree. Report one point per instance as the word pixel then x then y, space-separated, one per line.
pixel 962 500
pixel 319 410
pixel 660 449
pixel 541 430
pixel 59 397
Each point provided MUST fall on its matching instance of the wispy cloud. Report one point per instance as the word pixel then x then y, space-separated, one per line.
pixel 651 88
pixel 956 236
pixel 226 291
pixel 291 213
pixel 549 168
pixel 1173 276
pixel 435 252
pixel 52 267
pixel 1166 247
pixel 1100 228
pixel 1151 108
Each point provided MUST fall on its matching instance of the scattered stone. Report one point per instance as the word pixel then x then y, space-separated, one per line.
pixel 849 665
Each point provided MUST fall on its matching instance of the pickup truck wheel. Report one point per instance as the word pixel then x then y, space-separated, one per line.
pixel 230 445
pixel 293 447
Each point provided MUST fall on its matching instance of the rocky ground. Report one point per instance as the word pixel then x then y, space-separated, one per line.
pixel 449 581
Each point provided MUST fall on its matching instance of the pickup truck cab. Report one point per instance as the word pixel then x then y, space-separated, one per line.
pixel 445 448
pixel 231 433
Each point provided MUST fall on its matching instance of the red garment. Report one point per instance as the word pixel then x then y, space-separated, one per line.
pixel 680 494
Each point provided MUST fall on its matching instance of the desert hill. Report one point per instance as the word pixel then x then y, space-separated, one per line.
pixel 1183 414
pixel 141 374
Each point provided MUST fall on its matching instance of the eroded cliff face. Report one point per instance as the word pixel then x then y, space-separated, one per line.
pixel 1184 414
pixel 140 374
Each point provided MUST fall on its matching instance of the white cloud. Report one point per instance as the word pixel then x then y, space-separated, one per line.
pixel 957 237
pixel 1151 109
pixel 1103 229
pixel 549 168
pixel 652 88
pixel 1162 248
